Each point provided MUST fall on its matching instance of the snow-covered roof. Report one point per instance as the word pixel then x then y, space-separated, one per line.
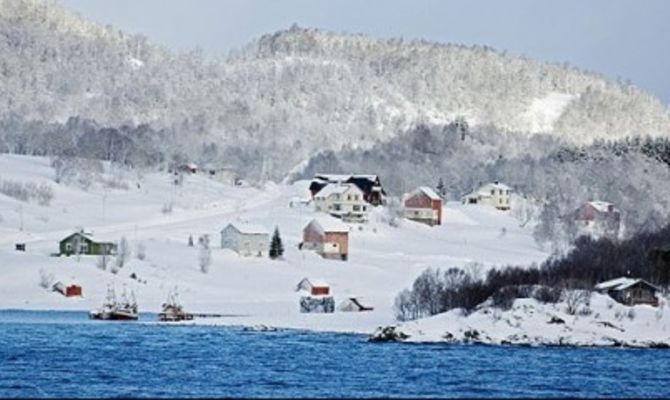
pixel 621 284
pixel 329 224
pixel 601 206
pixel 496 185
pixel 345 177
pixel 248 229
pixel 96 237
pixel 429 192
pixel 331 189
pixel 314 282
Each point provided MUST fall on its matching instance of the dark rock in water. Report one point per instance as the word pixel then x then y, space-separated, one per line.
pixel 556 320
pixel 449 337
pixel 658 345
pixel 387 334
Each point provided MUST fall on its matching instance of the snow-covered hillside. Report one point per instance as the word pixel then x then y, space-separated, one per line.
pixel 603 322
pixel 314 90
pixel 383 259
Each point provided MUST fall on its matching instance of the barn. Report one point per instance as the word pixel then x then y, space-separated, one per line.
pixel 423 205
pixel 245 239
pixel 328 237
pixel 630 291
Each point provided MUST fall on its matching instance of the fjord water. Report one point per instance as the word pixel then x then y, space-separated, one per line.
pixel 62 354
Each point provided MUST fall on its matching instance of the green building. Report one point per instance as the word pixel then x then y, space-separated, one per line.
pixel 83 243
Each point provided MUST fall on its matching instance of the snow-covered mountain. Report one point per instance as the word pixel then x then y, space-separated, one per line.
pixel 287 95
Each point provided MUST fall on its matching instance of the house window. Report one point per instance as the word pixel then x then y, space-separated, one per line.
pixel 337 207
pixel 83 247
pixel 349 197
pixel 493 192
pixel 68 246
pixel 500 191
pixel 357 208
pixel 337 197
pixel 365 208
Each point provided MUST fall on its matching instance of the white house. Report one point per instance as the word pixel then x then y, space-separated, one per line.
pixel 245 239
pixel 345 201
pixel 495 194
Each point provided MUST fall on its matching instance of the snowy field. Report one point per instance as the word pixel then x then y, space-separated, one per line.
pixel 382 261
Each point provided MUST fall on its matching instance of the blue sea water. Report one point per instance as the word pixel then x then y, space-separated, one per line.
pixel 63 354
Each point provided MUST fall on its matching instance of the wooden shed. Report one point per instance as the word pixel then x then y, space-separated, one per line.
pixel 630 291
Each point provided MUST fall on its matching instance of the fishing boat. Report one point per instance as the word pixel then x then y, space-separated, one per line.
pixel 117 310
pixel 172 310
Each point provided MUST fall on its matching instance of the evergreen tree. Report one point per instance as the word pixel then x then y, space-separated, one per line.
pixel 441 190
pixel 276 246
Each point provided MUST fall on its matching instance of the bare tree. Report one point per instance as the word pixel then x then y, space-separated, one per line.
pixel 46 279
pixel 141 251
pixel 204 254
pixel 123 253
pixel 575 300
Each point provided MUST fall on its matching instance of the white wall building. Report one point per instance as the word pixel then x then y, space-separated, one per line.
pixel 495 194
pixel 247 240
pixel 344 201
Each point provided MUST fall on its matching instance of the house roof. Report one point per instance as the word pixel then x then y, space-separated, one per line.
pixel 97 238
pixel 495 185
pixel 621 284
pixel 314 282
pixel 428 192
pixel 601 206
pixel 331 189
pixel 248 229
pixel 329 224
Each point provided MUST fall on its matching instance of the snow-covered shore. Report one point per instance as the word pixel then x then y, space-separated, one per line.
pixel 528 322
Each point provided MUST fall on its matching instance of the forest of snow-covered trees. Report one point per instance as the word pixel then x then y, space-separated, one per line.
pixel 413 112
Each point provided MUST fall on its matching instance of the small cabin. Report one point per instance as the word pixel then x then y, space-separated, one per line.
pixel 354 304
pixel 73 290
pixel 81 243
pixel 315 287
pixel 423 205
pixel 630 291
pixel 328 237
pixel 245 239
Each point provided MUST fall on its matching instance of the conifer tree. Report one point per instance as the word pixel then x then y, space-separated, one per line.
pixel 441 190
pixel 276 246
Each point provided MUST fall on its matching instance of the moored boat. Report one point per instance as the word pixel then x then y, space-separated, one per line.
pixel 113 310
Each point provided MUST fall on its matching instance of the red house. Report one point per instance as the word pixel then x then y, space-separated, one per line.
pixel 315 287
pixel 598 218
pixel 424 205
pixel 328 236
pixel 72 291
